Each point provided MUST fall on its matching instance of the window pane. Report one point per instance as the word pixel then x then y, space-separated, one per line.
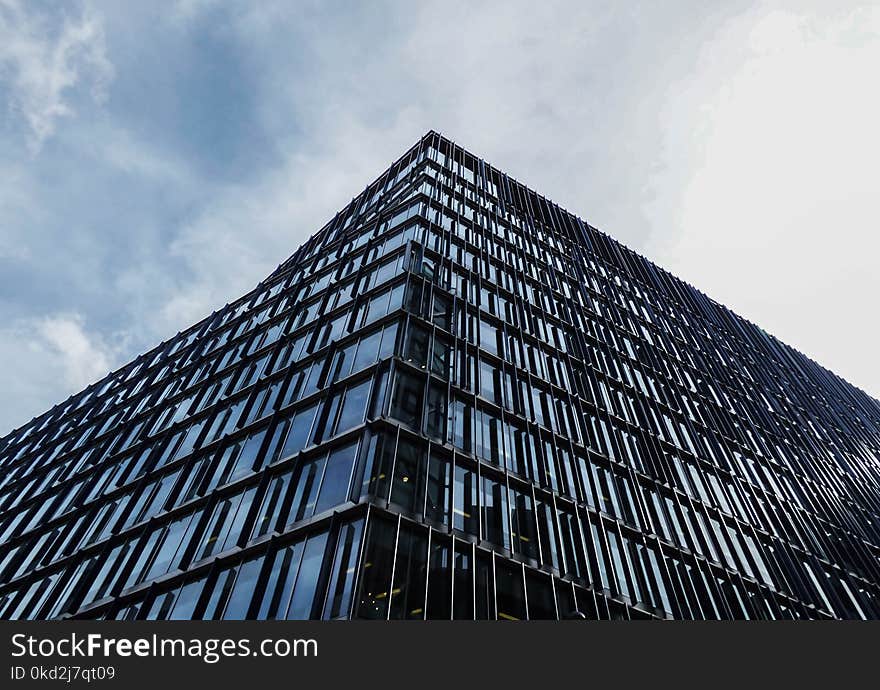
pixel 435 422
pixel 339 591
pixel 406 403
pixel 463 601
pixel 490 382
pixel 417 345
pixel 408 592
pixel 367 351
pixel 488 436
pixel 407 490
pixel 298 436
pixel 337 475
pixel 270 515
pixel 464 511
pixel 525 531
pixel 185 606
pixel 439 580
pixel 307 580
pixel 342 362
pixel 219 594
pixel 389 338
pixel 441 358
pixel 484 588
pixel 511 597
pixel 460 425
pixel 280 582
pixel 547 529
pixel 494 508
pixel 376 472
pixel 540 592
pixel 243 590
pixel 439 493
pixel 376 570
pixel 354 406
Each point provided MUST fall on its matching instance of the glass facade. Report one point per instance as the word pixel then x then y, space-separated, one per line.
pixel 456 400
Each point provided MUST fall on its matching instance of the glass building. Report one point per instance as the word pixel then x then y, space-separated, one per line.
pixel 456 400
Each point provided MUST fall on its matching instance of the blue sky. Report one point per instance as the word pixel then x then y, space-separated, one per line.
pixel 159 159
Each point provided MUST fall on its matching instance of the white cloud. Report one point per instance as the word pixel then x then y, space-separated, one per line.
pixel 84 357
pixel 41 63
pixel 507 84
pixel 776 134
pixel 47 359
pixel 249 229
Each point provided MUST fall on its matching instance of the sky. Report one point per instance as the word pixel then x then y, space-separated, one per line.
pixel 157 160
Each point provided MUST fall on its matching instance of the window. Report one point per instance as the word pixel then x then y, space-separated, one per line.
pixel 463 569
pixel 484 586
pixel 371 348
pixel 303 599
pixel 376 568
pixel 337 475
pixel 439 490
pixel 185 605
pixel 383 303
pixel 511 594
pixel 490 337
pixel 435 419
pixel 354 406
pixel 343 359
pixel 495 515
pixel 322 482
pixel 523 526
pixel 490 382
pixel 416 351
pixel 242 591
pixel 460 414
pixel 280 580
pixel 291 580
pixel 377 466
pixel 306 482
pixel 441 311
pixel 339 591
pixel 389 339
pixel 300 428
pixel 439 600
pixel 548 533
pixel 407 489
pixel 270 515
pixel 488 437
pixel 407 399
pixel 569 533
pixel 312 379
pixel 441 357
pixel 540 596
pixel 367 351
pixel 518 446
pixel 465 502
pixel 249 459
pixel 224 528
pixel 410 570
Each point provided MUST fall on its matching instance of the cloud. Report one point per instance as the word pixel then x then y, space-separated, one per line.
pixel 248 230
pixel 355 103
pixel 41 62
pixel 84 358
pixel 49 358
pixel 776 141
